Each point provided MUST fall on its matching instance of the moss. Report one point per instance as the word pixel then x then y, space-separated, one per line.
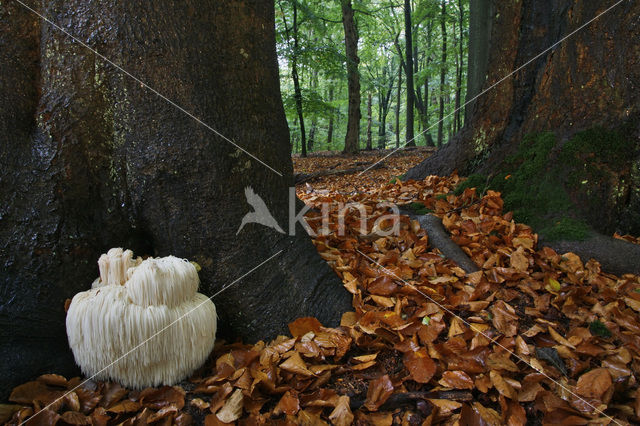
pixel 597 145
pixel 474 181
pixel 599 329
pixel 418 208
pixel 566 228
pixel 532 187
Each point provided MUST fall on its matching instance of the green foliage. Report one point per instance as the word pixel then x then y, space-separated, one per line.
pixel 598 328
pixel 418 208
pixel 321 61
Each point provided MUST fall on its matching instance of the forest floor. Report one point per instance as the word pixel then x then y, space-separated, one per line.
pixel 533 337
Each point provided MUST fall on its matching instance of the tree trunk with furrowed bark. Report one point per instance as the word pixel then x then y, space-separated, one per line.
pixel 542 71
pixel 91 159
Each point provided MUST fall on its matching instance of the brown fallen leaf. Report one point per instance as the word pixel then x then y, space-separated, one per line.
pixel 28 392
pixel 342 415
pixel 379 391
pixel 289 404
pixel 302 326
pixel 296 365
pixel 157 398
pixel 502 385
pixel 594 384
pixel 126 406
pixel 456 379
pixel 420 366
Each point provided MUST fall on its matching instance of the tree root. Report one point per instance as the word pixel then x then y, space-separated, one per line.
pixel 615 256
pixel 440 239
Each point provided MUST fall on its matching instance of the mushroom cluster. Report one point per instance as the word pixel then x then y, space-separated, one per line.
pixel 143 323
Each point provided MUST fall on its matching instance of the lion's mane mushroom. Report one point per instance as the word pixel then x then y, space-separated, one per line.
pixel 131 302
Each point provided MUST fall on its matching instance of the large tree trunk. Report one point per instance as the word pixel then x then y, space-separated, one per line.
pixel 582 82
pixel 92 159
pixel 481 15
pixel 352 138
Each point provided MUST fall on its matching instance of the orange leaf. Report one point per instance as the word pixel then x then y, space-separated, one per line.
pixel 302 326
pixel 421 367
pixel 288 404
pixel 296 365
pixel 456 379
pixel 594 384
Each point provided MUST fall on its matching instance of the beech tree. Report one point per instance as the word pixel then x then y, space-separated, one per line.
pixel 92 158
pixel 555 97
pixel 352 137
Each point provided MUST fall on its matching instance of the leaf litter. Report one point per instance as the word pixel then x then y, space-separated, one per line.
pixel 534 337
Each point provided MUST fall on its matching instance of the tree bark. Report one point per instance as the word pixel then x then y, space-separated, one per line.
pixel 398 101
pixel 91 159
pixel 352 138
pixel 385 101
pixel 481 14
pixel 297 91
pixel 330 129
pixel 460 66
pixel 580 83
pixel 408 69
pixel 369 119
pixel 443 71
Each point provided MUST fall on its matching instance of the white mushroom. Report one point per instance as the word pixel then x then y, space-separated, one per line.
pixel 154 301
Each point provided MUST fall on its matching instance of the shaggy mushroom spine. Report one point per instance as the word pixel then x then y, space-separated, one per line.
pixel 131 301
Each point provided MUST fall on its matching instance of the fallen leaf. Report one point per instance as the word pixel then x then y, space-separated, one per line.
pixel 456 380
pixel 421 367
pixel 502 385
pixel 379 391
pixel 342 415
pixel 232 409
pixel 288 404
pixel 302 326
pixel 594 384
pixel 296 365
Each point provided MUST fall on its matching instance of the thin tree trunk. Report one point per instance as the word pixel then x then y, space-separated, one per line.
pixel 443 70
pixel 314 120
pixel 385 102
pixel 352 137
pixel 369 119
pixel 398 101
pixel 296 82
pixel 409 72
pixel 330 129
pixel 297 92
